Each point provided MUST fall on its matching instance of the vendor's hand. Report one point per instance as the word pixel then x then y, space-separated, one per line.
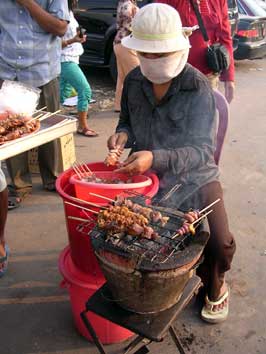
pixel 117 141
pixel 229 90
pixel 137 163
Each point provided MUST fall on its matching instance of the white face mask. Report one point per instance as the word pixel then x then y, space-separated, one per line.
pixel 163 69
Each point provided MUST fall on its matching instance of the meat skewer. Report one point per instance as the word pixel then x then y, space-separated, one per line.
pixel 113 156
pixel 189 227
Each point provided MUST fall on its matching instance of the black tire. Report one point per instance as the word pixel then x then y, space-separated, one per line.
pixel 113 67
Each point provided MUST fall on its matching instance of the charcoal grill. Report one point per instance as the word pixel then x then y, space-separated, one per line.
pixel 148 276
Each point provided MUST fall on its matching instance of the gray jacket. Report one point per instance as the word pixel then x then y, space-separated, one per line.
pixel 180 130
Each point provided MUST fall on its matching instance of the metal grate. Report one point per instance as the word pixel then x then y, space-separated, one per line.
pixel 157 252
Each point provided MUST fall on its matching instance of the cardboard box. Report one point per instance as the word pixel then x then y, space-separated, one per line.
pixel 65 150
pixel 33 161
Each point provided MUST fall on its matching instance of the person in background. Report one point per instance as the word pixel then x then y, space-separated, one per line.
pixel 30 50
pixel 168 119
pixel 215 17
pixel 71 74
pixel 4 250
pixel 126 59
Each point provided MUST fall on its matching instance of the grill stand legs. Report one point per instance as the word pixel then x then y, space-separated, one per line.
pixel 134 343
pixel 148 329
pixel 92 332
pixel 176 340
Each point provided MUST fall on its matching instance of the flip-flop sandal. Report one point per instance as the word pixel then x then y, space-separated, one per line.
pixel 209 315
pixel 50 187
pixel 4 262
pixel 87 132
pixel 14 199
pixel 13 202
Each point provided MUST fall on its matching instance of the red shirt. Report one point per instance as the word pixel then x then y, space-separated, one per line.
pixel 215 17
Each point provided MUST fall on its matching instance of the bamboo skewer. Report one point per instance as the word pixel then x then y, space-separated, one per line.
pixel 82 168
pixel 89 203
pixel 209 206
pixel 78 219
pixel 39 110
pixel 101 196
pixel 34 118
pixel 76 168
pixel 85 169
pixel 88 169
pixel 49 114
pixel 168 195
pixel 80 207
pixel 77 171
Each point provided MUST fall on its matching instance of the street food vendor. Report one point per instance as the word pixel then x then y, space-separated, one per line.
pixel 168 119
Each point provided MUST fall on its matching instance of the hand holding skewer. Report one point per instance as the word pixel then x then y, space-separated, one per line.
pixel 115 144
pixel 137 163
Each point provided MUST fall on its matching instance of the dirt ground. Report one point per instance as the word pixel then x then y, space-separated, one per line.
pixel 35 312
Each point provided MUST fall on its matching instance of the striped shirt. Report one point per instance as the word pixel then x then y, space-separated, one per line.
pixel 28 53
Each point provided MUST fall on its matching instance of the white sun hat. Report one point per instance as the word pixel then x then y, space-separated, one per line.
pixel 156 28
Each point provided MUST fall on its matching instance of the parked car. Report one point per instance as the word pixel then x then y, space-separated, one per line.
pixel 233 19
pixel 251 33
pixel 98 17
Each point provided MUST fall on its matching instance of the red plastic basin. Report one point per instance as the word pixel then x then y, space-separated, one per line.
pixel 83 188
pixel 81 287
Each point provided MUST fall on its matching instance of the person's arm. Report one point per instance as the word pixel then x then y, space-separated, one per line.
pixel 76 39
pixel 228 76
pixel 48 22
pixel 200 138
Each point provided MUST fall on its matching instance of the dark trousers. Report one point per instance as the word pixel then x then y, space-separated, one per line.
pixel 221 246
pixel 218 253
pixel 18 166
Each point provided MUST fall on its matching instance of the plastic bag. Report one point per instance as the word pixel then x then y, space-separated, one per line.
pixel 18 98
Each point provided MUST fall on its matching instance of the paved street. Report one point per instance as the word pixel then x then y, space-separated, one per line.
pixel 35 313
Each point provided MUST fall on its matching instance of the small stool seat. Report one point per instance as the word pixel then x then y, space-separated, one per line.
pixel 152 327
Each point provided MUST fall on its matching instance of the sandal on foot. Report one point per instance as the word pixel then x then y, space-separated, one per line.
pixel 4 262
pixel 13 202
pixel 13 198
pixel 208 313
pixel 87 132
pixel 50 187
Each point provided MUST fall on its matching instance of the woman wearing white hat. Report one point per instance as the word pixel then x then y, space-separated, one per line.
pixel 168 119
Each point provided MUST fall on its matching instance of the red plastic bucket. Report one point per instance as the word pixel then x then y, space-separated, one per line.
pixel 81 287
pixel 81 251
